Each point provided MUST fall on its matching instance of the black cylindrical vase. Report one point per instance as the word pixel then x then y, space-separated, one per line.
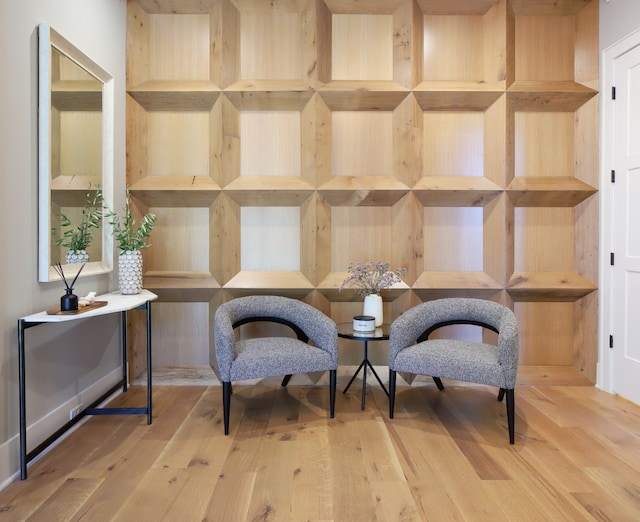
pixel 69 302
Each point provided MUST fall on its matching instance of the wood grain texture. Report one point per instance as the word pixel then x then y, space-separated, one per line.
pixel 576 457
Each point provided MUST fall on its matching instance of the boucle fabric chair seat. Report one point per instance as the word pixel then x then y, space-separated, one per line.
pixel 257 357
pixel 451 359
pixel 411 350
pixel 270 356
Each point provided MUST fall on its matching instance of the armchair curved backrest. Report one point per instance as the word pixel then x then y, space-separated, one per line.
pixel 415 325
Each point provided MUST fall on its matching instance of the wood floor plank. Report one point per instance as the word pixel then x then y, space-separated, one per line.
pixel 445 456
pixel 313 476
pixel 621 489
pixel 231 496
pixel 273 486
pixel 66 501
pixel 168 494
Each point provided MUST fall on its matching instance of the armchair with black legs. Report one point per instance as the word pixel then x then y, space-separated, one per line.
pixel 411 350
pixel 258 357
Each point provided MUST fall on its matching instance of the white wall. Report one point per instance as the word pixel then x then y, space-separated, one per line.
pixel 618 18
pixel 63 363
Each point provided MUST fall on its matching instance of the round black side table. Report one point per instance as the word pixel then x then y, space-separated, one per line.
pixel 381 333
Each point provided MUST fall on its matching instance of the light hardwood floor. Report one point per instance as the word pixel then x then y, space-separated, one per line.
pixel 445 456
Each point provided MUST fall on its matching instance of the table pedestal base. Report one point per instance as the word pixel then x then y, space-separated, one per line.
pixel 363 366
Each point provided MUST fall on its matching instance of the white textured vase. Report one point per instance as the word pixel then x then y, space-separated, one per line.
pixel 76 256
pixel 130 272
pixel 373 307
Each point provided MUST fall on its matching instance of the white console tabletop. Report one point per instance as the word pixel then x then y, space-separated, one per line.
pixel 116 303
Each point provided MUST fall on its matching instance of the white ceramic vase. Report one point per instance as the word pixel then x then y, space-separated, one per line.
pixel 130 272
pixel 76 256
pixel 373 307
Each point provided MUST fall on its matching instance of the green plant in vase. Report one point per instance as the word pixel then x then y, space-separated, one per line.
pixel 77 238
pixel 131 237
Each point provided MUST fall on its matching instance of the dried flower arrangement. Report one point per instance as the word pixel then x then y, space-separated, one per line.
pixel 371 277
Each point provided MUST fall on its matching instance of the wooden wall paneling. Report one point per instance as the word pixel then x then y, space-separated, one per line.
pixel 138 30
pixel 271 41
pixel 230 44
pixel 180 330
pixel 407 153
pixel 544 240
pixel 226 232
pixel 552 56
pixel 362 143
pixel 364 153
pixel 314 264
pixel 510 45
pixel 387 128
pixel 180 240
pixel 360 234
pixel 270 239
pixel 453 144
pixel 546 333
pixel 454 48
pixel 495 44
pixel 179 47
pixel 363 7
pixel 270 143
pixel 544 144
pixel 362 47
pixel 496 142
pixel 587 156
pixel 323 240
pixel 587 54
pixel 407 44
pixel 323 141
pixel 137 148
pixel 498 247
pixel 464 42
pixel 550 7
pixel 323 43
pixel 448 7
pixel 309 157
pixel 230 142
pixel 407 241
pixel 585 337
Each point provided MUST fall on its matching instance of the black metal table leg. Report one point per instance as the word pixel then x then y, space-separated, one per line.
pixel 21 393
pixel 149 366
pixel 364 365
pixel 354 376
pixel 378 377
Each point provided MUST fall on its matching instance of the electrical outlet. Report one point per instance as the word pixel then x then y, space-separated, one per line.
pixel 74 412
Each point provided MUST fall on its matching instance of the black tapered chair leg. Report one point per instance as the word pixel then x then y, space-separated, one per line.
pixel 511 415
pixel 226 403
pixel 392 392
pixel 438 383
pixel 501 394
pixel 286 380
pixel 332 392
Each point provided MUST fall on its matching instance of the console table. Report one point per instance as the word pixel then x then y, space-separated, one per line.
pixel 116 302
pixel 381 333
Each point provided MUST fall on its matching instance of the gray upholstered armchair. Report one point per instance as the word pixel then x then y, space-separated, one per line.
pixel 411 351
pixel 269 356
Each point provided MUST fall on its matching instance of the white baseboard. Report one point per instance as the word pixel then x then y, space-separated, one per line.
pixel 45 426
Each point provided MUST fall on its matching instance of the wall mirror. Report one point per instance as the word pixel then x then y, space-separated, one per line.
pixel 75 148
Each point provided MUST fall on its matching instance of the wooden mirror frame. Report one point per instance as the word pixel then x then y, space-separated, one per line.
pixel 48 40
